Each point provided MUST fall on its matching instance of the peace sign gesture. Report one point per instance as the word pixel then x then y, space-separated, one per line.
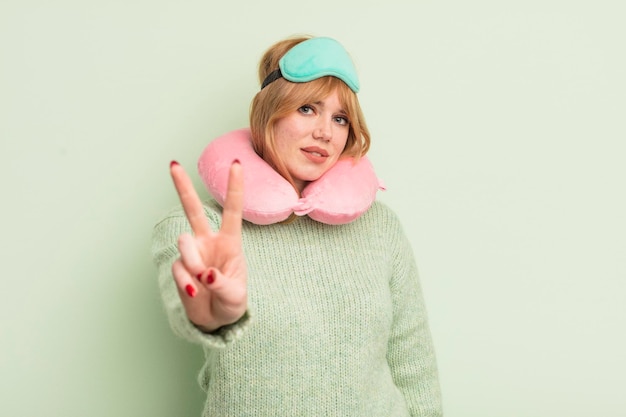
pixel 211 271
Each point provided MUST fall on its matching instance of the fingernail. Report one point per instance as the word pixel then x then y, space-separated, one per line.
pixel 199 276
pixel 190 290
pixel 236 161
pixel 210 278
pixel 173 163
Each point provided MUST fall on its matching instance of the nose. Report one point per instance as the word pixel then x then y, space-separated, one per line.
pixel 322 130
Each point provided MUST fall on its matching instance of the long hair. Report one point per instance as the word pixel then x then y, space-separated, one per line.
pixel 281 97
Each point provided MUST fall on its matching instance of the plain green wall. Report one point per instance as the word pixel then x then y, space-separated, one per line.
pixel 498 128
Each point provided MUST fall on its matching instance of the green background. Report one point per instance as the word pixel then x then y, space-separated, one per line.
pixel 498 128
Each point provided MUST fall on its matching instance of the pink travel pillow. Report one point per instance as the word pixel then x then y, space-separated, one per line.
pixel 339 196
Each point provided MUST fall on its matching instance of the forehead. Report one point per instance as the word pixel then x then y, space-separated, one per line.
pixel 331 90
pixel 331 102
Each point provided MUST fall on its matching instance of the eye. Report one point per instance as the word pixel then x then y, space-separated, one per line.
pixel 306 109
pixel 341 120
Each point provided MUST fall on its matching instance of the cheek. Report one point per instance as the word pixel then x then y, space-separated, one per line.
pixel 341 144
pixel 286 132
pixel 281 144
pixel 281 137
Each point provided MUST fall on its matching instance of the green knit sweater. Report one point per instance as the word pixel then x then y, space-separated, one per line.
pixel 336 324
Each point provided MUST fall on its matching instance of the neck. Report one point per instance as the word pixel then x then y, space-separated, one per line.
pixel 300 185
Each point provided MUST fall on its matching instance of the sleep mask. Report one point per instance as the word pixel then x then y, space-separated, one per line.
pixel 313 59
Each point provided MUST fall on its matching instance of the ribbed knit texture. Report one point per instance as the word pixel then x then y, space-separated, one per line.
pixel 336 324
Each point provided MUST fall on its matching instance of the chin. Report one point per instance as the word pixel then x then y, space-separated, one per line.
pixel 312 176
pixel 309 175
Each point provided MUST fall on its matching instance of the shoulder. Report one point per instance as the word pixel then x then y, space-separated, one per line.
pixel 382 215
pixel 383 224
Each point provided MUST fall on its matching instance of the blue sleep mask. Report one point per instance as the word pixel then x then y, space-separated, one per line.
pixel 313 59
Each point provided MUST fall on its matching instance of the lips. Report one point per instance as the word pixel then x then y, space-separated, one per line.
pixel 315 150
pixel 315 154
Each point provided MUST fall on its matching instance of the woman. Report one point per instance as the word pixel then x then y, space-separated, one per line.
pixel 299 317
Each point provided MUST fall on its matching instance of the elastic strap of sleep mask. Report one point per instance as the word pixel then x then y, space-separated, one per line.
pixel 313 59
pixel 273 76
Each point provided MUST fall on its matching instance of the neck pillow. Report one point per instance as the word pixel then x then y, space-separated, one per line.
pixel 339 196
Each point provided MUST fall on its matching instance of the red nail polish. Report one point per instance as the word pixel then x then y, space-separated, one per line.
pixel 190 290
pixel 173 163
pixel 199 276
pixel 210 278
pixel 236 161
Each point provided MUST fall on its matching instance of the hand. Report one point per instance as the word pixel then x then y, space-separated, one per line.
pixel 211 272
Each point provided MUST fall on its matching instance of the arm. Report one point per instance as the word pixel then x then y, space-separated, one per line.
pixel 411 354
pixel 202 273
pixel 165 253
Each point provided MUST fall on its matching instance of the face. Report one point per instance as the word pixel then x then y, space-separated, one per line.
pixel 311 139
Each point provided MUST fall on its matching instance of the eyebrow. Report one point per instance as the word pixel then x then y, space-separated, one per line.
pixel 322 104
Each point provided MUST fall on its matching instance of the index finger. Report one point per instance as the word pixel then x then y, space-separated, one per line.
pixel 233 204
pixel 190 200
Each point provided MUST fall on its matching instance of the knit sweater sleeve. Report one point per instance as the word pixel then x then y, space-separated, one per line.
pixel 411 354
pixel 165 252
